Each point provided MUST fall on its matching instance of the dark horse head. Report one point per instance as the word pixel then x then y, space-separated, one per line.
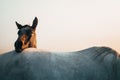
pixel 26 36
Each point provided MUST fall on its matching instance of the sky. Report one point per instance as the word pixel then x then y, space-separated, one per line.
pixel 64 25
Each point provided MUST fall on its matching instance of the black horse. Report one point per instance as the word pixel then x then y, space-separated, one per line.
pixel 26 36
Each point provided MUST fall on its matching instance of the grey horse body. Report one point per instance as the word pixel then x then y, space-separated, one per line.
pixel 96 63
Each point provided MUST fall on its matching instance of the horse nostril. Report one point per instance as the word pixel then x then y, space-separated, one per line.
pixel 20 44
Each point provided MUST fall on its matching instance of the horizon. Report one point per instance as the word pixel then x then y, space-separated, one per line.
pixel 65 25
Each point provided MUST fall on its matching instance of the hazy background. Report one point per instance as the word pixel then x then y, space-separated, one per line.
pixel 64 25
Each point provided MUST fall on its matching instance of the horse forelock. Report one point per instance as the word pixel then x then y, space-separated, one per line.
pixel 26 26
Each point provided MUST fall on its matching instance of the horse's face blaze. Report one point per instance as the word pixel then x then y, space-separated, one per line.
pixel 26 36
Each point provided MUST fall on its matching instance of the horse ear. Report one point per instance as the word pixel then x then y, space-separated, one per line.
pixel 35 22
pixel 19 25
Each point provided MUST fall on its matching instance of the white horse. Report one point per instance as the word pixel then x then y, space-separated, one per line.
pixel 96 63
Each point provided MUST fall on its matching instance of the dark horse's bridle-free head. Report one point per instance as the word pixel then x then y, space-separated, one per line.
pixel 26 36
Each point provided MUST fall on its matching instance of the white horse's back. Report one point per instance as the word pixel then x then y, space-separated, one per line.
pixel 96 63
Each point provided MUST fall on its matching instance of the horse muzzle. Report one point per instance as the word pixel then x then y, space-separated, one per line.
pixel 18 46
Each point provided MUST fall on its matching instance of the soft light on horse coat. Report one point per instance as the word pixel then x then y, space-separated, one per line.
pixel 96 63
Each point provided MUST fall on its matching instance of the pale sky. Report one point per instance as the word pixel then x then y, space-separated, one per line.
pixel 64 25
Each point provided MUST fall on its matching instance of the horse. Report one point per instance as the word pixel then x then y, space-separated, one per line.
pixel 95 63
pixel 26 36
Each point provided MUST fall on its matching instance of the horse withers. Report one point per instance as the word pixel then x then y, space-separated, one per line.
pixel 26 36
